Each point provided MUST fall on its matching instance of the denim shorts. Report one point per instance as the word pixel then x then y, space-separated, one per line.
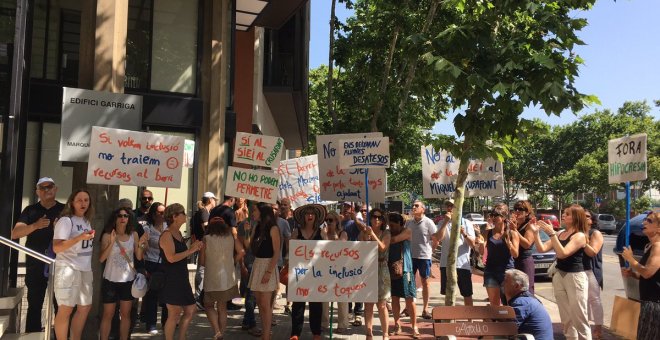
pixel 493 279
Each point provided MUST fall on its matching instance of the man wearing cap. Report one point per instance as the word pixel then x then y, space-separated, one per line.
pixel 37 223
pixel 466 241
pixel 422 244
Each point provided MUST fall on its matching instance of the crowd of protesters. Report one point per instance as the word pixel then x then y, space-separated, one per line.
pixel 241 248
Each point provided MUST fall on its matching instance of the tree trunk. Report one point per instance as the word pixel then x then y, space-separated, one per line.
pixel 331 110
pixel 413 63
pixel 385 80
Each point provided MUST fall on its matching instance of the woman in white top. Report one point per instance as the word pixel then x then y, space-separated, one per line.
pixel 118 245
pixel 72 242
pixel 219 255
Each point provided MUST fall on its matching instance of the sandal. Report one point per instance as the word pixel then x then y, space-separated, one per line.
pixel 416 334
pixel 358 321
pixel 254 331
pixel 426 315
pixel 396 330
pixel 369 334
pixel 218 336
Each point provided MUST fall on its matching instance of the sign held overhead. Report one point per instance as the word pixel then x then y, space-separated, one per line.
pixel 626 158
pixel 258 150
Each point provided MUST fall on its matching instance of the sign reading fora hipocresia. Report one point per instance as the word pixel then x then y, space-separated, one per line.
pixel 82 109
pixel 122 157
pixel 626 158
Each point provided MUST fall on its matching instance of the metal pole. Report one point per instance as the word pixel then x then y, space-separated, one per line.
pixel 366 184
pixel 49 301
pixel 627 214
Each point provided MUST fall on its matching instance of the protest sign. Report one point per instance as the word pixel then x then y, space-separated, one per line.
pixel 258 150
pixel 255 185
pixel 346 185
pixel 333 271
pixel 364 153
pixel 122 157
pixel 626 158
pixel 82 109
pixel 440 171
pixel 299 181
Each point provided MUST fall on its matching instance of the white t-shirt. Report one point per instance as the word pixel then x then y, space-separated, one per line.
pixel 420 242
pixel 463 256
pixel 79 256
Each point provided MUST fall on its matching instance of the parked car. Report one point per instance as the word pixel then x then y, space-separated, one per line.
pixel 550 218
pixel 637 243
pixel 473 217
pixel 606 223
pixel 542 261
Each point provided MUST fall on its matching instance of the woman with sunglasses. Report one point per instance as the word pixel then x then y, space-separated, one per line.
pixel 154 227
pixel 403 287
pixel 73 239
pixel 177 293
pixel 648 273
pixel 523 216
pixel 570 283
pixel 334 232
pixel 118 245
pixel 502 247
pixel 593 264
pixel 379 232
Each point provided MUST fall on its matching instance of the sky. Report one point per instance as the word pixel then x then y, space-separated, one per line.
pixel 622 55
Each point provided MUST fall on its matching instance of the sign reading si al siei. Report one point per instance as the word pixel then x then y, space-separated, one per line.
pixel 122 157
pixel 440 171
pixel 329 271
pixel 338 184
pixel 256 185
pixel 364 153
pixel 258 150
pixel 626 158
pixel 299 181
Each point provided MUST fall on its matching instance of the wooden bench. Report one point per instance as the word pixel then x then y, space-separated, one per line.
pixel 450 322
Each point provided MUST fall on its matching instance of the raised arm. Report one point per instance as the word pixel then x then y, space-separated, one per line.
pixel 652 265
pixel 406 234
pixel 595 244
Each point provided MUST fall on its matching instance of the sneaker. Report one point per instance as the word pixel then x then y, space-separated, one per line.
pixel 152 329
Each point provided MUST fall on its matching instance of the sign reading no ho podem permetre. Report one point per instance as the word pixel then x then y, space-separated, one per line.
pixel 626 158
pixel 333 271
pixel 258 150
pixel 254 185
pixel 122 157
pixel 371 152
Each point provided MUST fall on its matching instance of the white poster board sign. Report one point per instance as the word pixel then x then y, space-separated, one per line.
pixel 122 157
pixel 82 109
pixel 259 150
pixel 333 271
pixel 299 181
pixel 364 153
pixel 626 158
pixel 256 185
pixel 440 171
pixel 346 185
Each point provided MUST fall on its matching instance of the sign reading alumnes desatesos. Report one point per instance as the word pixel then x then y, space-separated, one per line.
pixel 364 153
pixel 626 158
pixel 122 157
pixel 333 271
pixel 82 109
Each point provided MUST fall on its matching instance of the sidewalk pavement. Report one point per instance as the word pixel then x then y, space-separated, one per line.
pixel 201 329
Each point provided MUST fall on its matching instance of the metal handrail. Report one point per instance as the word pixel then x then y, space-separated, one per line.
pixel 51 271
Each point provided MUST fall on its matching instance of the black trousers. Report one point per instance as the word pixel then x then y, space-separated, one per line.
pixel 298 317
pixel 36 283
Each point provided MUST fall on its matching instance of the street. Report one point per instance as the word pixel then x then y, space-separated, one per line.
pixel 613 285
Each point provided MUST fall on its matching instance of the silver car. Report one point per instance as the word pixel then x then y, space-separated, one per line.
pixel 606 223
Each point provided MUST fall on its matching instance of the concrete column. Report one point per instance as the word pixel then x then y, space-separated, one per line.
pixel 215 93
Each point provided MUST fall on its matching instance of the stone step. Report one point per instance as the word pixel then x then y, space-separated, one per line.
pixel 24 336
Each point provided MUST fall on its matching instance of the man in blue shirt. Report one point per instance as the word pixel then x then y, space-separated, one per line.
pixel 531 316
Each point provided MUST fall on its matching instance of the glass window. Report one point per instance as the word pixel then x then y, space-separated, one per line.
pixel 169 27
pixel 7 22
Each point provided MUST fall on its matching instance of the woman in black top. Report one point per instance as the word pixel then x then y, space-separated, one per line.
pixel 263 278
pixel 570 283
pixel 648 273
pixel 523 215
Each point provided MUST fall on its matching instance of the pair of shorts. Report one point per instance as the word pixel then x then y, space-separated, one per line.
pixel 113 292
pixel 221 297
pixel 493 279
pixel 423 266
pixel 464 281
pixel 73 287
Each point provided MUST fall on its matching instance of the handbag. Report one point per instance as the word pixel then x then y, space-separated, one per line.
pixel 396 267
pixel 284 275
pixel 140 285
pixel 552 269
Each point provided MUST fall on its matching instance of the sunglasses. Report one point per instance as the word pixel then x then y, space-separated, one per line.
pixel 415 205
pixel 46 187
pixel 147 198
pixel 494 214
pixel 123 215
pixel 649 220
pixel 330 220
pixel 378 217
pixel 363 210
pixel 520 209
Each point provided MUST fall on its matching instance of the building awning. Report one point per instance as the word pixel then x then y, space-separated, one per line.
pixel 265 13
